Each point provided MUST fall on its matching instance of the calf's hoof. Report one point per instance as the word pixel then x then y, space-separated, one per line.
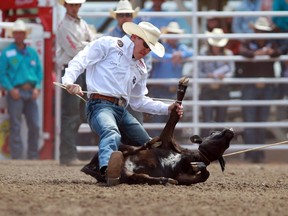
pixel 155 142
pixel 198 166
pixel 172 181
pixel 165 181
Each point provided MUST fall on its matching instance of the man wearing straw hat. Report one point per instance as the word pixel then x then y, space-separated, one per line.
pixel 217 70
pixel 116 76
pixel 72 35
pixel 170 66
pixel 125 13
pixel 258 91
pixel 21 75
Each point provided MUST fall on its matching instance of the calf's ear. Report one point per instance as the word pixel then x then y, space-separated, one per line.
pixel 222 163
pixel 196 139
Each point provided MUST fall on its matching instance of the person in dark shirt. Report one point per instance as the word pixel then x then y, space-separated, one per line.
pixel 260 90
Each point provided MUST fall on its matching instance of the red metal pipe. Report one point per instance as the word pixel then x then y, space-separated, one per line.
pixel 45 15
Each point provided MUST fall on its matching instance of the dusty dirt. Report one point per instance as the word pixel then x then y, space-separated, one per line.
pixel 45 188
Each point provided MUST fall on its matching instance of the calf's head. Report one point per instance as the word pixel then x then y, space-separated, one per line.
pixel 213 147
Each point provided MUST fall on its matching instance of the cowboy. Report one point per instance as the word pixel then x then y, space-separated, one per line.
pixel 72 35
pixel 217 70
pixel 116 76
pixel 21 75
pixel 125 13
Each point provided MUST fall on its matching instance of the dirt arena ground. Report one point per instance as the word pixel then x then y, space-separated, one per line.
pixel 45 188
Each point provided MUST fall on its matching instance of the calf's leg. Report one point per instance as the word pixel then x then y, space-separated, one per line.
pixel 135 178
pixel 188 179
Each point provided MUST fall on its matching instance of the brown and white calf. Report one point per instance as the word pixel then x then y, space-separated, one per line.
pixel 163 161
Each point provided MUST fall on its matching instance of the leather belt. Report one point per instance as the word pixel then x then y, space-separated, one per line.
pixel 114 100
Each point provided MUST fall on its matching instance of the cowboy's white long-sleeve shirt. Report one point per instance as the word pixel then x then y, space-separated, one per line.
pixel 110 70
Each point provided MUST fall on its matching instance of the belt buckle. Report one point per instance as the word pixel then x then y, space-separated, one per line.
pixel 122 102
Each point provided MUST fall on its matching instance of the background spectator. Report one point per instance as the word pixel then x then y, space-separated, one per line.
pixel 226 24
pixel 281 23
pixel 170 66
pixel 242 24
pixel 212 22
pixel 72 35
pixel 21 76
pixel 159 22
pixel 217 70
pixel 123 13
pixel 258 91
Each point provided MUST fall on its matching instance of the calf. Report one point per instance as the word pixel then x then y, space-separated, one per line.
pixel 161 166
pixel 162 160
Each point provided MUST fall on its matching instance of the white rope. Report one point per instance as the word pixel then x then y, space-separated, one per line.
pixel 64 87
pixel 256 148
pixel 96 92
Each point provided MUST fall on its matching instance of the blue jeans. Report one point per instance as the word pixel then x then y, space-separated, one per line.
pixel 111 122
pixel 29 107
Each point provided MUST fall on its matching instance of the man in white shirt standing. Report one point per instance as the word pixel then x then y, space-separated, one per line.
pixel 72 35
pixel 116 76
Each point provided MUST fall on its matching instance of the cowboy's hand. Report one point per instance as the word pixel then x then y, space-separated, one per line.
pixel 269 51
pixel 177 57
pixel 74 89
pixel 15 94
pixel 35 93
pixel 220 76
pixel 179 109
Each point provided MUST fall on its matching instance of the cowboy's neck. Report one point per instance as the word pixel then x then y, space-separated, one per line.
pixel 20 45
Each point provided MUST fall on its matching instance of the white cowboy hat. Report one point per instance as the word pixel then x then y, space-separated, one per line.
pixel 262 24
pixel 71 1
pixel 149 33
pixel 173 27
pixel 218 42
pixel 20 26
pixel 124 6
